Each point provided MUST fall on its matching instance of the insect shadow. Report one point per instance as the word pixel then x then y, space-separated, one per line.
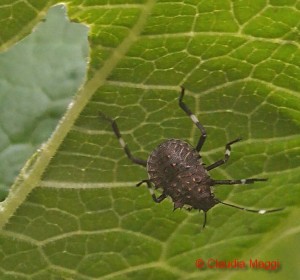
pixel 176 168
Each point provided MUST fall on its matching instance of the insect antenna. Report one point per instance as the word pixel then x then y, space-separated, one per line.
pixel 258 211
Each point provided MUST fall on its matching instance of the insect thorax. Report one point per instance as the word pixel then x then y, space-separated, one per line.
pixel 176 167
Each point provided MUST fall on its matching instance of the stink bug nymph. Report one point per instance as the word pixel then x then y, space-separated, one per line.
pixel 176 168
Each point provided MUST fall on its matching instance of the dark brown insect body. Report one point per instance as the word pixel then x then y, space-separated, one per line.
pixel 176 168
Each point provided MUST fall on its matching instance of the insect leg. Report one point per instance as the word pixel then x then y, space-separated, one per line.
pixel 187 110
pixel 156 199
pixel 258 211
pixel 204 220
pixel 122 142
pixel 240 181
pixel 226 156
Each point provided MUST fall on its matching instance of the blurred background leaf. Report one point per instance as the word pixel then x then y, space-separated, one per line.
pixel 39 76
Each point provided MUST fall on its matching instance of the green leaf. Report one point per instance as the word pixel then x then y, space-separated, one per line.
pixel 74 211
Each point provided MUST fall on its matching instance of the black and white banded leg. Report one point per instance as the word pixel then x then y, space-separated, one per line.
pixel 156 199
pixel 187 110
pixel 239 181
pixel 226 156
pixel 258 211
pixel 122 142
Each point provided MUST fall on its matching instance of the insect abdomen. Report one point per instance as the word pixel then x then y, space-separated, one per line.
pixel 176 167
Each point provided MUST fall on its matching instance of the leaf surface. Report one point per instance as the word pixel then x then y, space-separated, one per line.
pixel 75 212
